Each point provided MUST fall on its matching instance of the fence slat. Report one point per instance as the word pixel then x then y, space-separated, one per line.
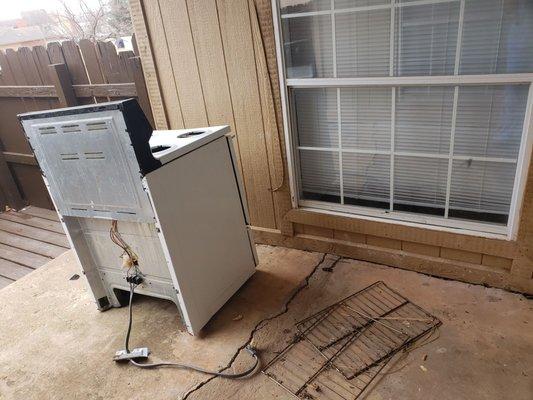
pixel 32 76
pixel 110 62
pixel 74 63
pixel 125 65
pixel 55 52
pixel 42 61
pixel 92 63
pixel 13 139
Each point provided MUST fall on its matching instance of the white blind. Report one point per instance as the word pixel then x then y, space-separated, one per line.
pixel 363 43
pixel 316 111
pixel 366 179
pixel 426 39
pixel 490 120
pixel 320 174
pixel 365 115
pixel 424 119
pixel 443 150
pixel 420 181
pixel 497 37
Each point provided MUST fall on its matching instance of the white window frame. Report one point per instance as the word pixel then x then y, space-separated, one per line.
pixel 508 231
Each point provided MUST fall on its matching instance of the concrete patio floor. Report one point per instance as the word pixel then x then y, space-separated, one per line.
pixel 56 345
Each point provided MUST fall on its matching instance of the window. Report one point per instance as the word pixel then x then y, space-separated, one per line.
pixel 416 110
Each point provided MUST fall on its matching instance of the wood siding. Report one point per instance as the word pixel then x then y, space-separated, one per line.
pixel 215 63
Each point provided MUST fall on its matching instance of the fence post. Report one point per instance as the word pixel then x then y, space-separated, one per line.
pixel 9 192
pixel 63 85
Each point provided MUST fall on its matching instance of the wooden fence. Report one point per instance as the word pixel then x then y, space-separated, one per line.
pixel 60 75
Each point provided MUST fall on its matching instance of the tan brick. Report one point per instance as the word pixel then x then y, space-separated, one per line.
pixel 298 228
pixel 383 242
pixel 317 231
pixel 350 236
pixel 497 262
pixel 420 248
pixel 460 255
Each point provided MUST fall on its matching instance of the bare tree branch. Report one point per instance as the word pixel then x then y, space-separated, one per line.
pixel 107 19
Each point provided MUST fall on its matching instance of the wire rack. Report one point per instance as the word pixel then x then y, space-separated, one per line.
pixel 341 349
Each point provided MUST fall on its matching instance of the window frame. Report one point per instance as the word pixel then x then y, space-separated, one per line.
pixel 486 229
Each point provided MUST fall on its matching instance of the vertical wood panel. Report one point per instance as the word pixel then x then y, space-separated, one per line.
pixel 123 57
pixel 110 62
pixel 164 65
pixel 9 139
pixel 27 73
pixel 184 64
pixel 74 62
pixel 55 52
pixel 76 68
pixel 205 29
pixel 140 86
pixel 90 57
pixel 235 28
pixel 92 65
pixel 274 143
pixel 144 50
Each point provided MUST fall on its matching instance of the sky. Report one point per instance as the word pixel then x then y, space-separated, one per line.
pixel 10 9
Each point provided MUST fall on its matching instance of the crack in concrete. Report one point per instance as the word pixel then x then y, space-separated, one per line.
pixel 261 324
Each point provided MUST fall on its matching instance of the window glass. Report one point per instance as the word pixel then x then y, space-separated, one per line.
pixel 366 118
pixel 316 117
pixel 308 47
pixel 424 119
pixel 426 39
pixel 300 6
pixel 320 179
pixel 490 120
pixel 497 37
pixel 366 179
pixel 363 43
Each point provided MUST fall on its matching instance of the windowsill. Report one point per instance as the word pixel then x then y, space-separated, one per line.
pixel 308 211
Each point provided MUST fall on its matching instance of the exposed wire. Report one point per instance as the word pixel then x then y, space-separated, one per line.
pixel 116 238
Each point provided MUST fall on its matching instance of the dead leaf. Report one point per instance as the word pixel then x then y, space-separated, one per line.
pixel 237 318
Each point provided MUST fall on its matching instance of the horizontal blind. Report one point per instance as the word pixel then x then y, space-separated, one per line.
pixel 482 187
pixel 320 175
pixel 424 119
pixel 363 43
pixel 366 179
pixel 420 181
pixel 490 120
pixel 426 39
pixel 444 150
pixel 316 111
pixel 497 37
pixel 365 118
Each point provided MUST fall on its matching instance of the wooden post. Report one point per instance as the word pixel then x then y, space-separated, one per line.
pixel 63 85
pixel 9 192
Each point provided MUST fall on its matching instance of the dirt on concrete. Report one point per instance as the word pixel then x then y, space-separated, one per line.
pixel 56 345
